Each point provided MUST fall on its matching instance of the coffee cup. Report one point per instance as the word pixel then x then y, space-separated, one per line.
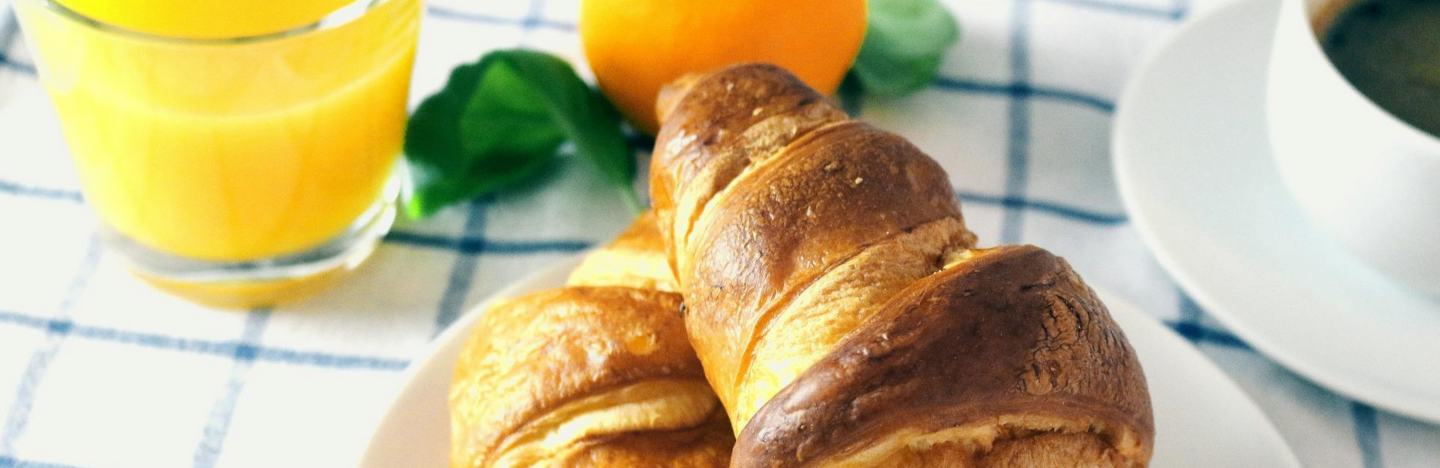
pixel 1365 177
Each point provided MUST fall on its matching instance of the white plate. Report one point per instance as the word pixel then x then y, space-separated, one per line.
pixel 1193 162
pixel 1202 418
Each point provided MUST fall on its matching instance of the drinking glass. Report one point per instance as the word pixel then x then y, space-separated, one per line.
pixel 233 171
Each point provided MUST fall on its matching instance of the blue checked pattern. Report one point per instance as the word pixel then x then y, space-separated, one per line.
pixel 1026 100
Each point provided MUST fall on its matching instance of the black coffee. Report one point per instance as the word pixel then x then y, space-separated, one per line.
pixel 1390 51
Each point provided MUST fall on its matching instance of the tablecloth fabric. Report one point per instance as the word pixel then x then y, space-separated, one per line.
pixel 99 370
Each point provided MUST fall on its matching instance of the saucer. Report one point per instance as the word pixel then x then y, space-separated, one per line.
pixel 1193 161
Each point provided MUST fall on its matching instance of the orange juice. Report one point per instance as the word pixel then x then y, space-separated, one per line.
pixel 205 19
pixel 230 150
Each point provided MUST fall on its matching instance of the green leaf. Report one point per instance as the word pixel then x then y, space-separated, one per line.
pixel 904 43
pixel 589 120
pixel 500 121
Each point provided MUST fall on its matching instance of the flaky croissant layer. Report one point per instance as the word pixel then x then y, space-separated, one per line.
pixel 841 312
pixel 595 374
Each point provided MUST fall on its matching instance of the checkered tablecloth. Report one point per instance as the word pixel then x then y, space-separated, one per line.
pixel 98 370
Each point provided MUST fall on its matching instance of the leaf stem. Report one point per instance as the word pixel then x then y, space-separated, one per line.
pixel 631 200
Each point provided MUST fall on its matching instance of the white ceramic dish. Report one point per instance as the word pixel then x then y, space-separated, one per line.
pixel 1202 418
pixel 1193 161
pixel 1357 171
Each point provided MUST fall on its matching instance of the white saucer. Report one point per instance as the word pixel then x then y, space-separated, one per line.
pixel 1193 162
pixel 1197 408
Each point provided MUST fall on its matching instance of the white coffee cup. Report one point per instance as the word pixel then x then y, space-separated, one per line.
pixel 1368 179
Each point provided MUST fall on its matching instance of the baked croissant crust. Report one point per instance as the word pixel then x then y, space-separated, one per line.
pixel 840 308
pixel 595 374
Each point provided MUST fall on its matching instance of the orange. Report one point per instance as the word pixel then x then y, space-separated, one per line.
pixel 636 46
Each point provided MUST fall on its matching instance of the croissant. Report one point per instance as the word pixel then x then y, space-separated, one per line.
pixel 595 374
pixel 840 309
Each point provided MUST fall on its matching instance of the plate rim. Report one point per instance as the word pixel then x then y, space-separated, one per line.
pixel 471 317
pixel 1123 168
pixel 1110 299
pixel 408 379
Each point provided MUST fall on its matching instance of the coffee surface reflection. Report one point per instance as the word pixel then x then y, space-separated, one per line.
pixel 1390 51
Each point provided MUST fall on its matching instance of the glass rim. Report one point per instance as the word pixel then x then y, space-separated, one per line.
pixel 338 18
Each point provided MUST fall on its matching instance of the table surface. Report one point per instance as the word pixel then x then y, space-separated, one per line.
pixel 98 370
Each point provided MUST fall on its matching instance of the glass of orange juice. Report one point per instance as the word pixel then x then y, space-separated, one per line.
pixel 237 153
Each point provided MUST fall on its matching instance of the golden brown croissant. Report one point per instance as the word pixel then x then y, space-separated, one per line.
pixel 842 314
pixel 636 259
pixel 595 374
